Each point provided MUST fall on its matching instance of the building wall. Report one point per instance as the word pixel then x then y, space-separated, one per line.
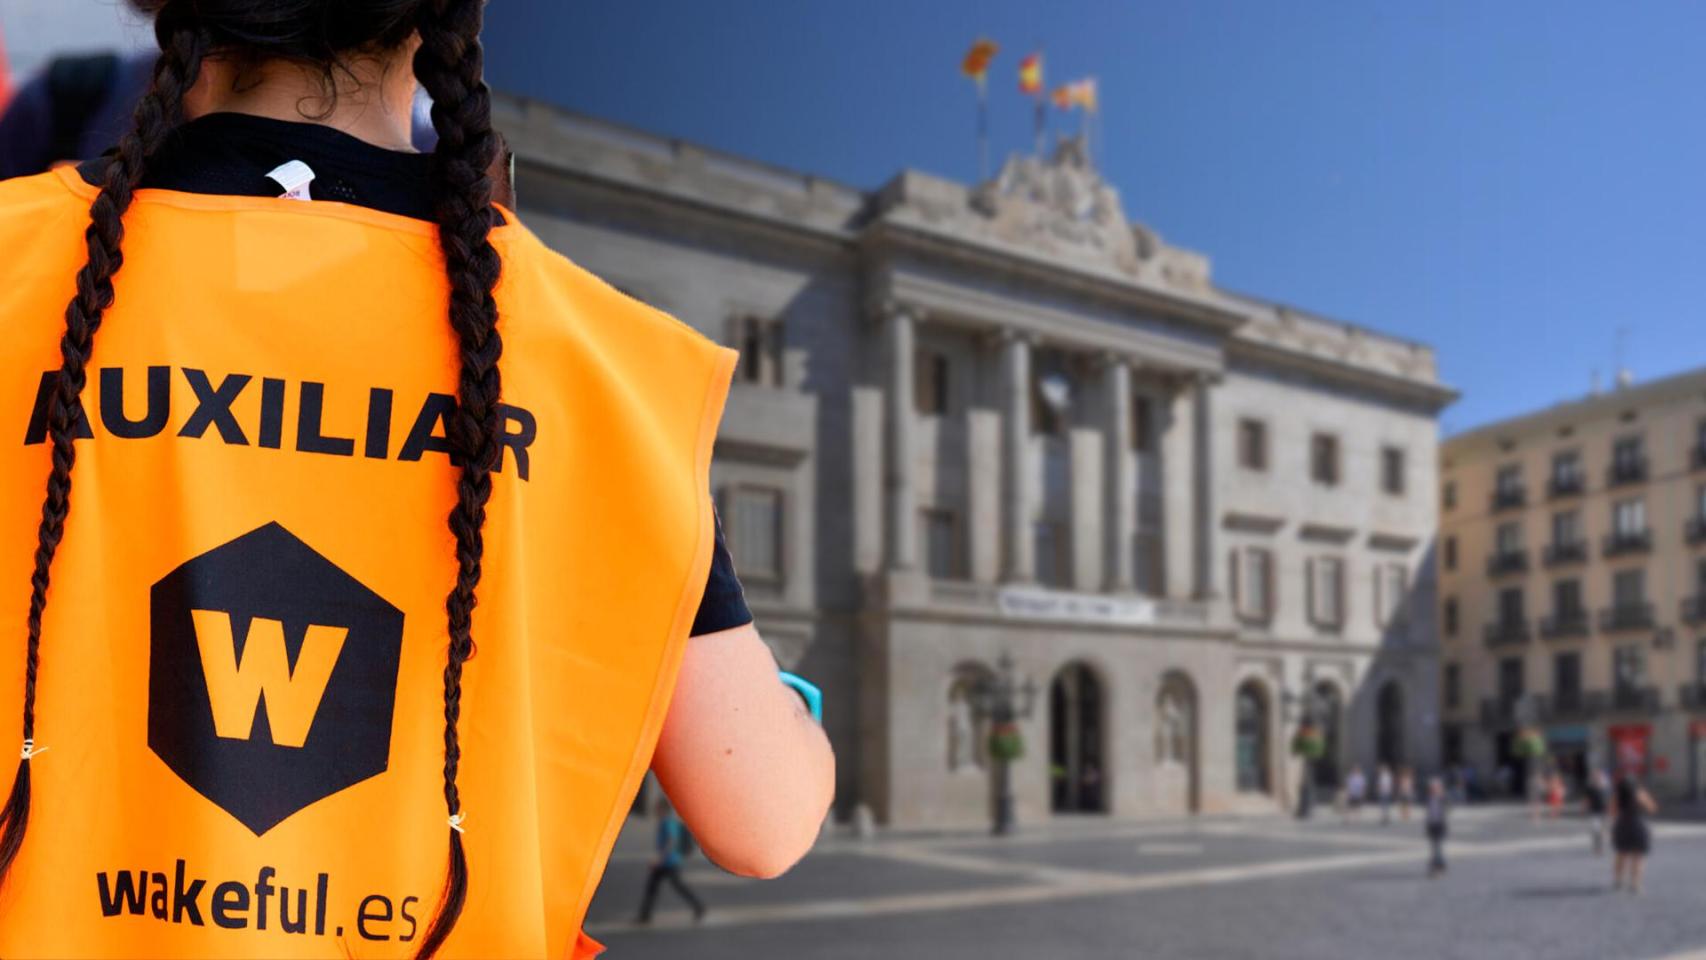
pixel 1667 414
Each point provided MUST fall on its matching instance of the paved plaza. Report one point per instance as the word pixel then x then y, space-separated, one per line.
pixel 1269 888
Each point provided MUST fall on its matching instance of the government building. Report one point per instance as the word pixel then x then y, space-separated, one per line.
pixel 1572 577
pixel 999 438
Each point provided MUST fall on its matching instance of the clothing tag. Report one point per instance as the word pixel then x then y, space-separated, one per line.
pixel 294 177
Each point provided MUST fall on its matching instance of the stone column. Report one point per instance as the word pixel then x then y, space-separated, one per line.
pixel 1018 560
pixel 1207 504
pixel 900 414
pixel 1178 494
pixel 1117 465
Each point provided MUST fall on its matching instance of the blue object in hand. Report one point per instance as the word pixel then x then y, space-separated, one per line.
pixel 808 692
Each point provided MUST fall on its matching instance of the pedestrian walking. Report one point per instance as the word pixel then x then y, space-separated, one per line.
pixel 1595 798
pixel 1406 792
pixel 304 417
pixel 1383 787
pixel 673 843
pixel 1555 794
pixel 1631 838
pixel 1437 812
pixel 1356 790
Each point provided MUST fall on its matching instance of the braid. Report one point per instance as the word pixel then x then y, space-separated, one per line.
pixel 450 67
pixel 161 109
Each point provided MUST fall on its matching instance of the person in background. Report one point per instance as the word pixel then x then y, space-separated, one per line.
pixel 1406 792
pixel 1631 838
pixel 672 845
pixel 1555 793
pixel 1437 811
pixel 1383 792
pixel 1356 789
pixel 1594 799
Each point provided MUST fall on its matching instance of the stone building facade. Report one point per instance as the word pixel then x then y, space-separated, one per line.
pixel 1572 569
pixel 1002 423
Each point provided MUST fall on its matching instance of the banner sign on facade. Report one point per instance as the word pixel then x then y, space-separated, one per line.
pixel 1032 603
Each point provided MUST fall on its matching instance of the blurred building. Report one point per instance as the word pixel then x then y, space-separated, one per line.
pixel 976 422
pixel 1572 582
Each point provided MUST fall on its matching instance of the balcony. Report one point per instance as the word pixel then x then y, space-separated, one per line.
pixel 1508 498
pixel 1560 554
pixel 1635 699
pixel 1565 485
pixel 1694 609
pixel 1564 626
pixel 1502 562
pixel 1695 531
pixel 1692 696
pixel 1626 470
pixel 1507 633
pixel 1626 616
pixel 1572 706
pixel 1498 712
pixel 1622 542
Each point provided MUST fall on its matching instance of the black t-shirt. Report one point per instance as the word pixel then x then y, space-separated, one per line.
pixel 231 154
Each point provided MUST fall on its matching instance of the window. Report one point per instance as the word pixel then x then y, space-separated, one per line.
pixel 1629 588
pixel 1567 599
pixel 1700 662
pixel 1391 581
pixel 1253 445
pixel 942 554
pixel 1392 470
pixel 1453 684
pixel 1700 576
pixel 1510 606
pixel 1700 501
pixel 1146 561
pixel 755 535
pixel 1253 582
pixel 1509 482
pixel 1324 459
pixel 1448 495
pixel 930 375
pixel 1567 677
pixel 1510 679
pixel 1700 434
pixel 1252 740
pixel 1451 553
pixel 1566 528
pixel 1450 616
pixel 1054 567
pixel 1509 538
pixel 759 340
pixel 1051 396
pixel 1567 470
pixel 1629 518
pixel 1142 424
pixel 1626 456
pixel 1628 667
pixel 1327 591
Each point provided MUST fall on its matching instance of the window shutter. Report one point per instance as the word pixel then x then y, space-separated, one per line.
pixel 1309 575
pixel 1269 576
pixel 1237 593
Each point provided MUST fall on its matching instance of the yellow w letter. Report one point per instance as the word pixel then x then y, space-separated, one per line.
pixel 235 687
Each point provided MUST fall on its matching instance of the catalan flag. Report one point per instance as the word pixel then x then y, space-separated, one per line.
pixel 976 63
pixel 1031 74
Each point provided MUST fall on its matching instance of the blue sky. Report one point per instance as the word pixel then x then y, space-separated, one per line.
pixel 1510 182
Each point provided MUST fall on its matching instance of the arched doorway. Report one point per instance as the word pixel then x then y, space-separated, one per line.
pixel 1077 774
pixel 1176 745
pixel 1389 724
pixel 1251 750
pixel 1330 714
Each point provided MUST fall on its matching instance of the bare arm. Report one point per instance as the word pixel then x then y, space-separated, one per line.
pixel 746 766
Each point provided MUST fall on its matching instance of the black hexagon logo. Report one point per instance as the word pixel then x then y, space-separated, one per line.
pixel 272 676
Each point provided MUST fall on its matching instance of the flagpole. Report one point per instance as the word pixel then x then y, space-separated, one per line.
pixel 1039 124
pixel 982 129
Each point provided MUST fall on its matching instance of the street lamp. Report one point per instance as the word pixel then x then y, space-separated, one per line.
pixel 1304 708
pixel 1004 702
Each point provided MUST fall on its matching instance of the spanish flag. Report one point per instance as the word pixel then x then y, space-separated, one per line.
pixel 1031 74
pixel 976 63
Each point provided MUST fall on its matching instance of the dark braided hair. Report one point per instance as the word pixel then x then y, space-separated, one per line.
pixel 324 34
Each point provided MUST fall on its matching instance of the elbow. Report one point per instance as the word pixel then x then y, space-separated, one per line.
pixel 787 835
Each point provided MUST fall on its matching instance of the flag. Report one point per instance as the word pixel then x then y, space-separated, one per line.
pixel 976 63
pixel 1079 94
pixel 1031 74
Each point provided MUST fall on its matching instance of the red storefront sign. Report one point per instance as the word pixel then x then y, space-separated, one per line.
pixel 1629 742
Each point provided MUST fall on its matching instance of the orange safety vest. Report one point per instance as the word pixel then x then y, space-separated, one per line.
pixel 240 697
